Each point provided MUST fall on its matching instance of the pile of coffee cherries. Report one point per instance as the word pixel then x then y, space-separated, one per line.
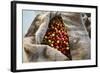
pixel 57 37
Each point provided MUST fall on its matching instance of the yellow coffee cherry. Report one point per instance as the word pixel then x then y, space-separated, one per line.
pixel 57 41
pixel 53 34
pixel 49 40
pixel 52 45
pixel 45 36
pixel 67 48
pixel 52 41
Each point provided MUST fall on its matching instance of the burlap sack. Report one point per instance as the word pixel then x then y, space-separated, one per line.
pixel 34 51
